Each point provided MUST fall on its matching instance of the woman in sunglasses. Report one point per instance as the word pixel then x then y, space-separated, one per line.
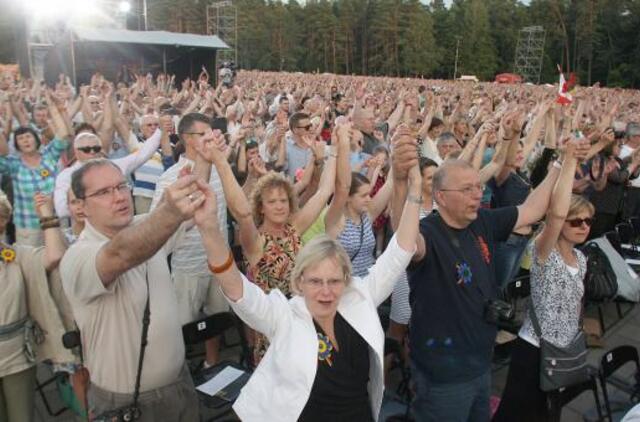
pixel 557 271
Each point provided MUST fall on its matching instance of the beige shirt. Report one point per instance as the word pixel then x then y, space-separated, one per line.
pixel 110 319
pixel 13 305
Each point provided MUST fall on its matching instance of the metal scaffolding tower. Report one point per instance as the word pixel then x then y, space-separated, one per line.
pixel 529 53
pixel 222 18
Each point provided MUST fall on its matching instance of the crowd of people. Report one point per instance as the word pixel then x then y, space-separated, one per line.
pixel 123 203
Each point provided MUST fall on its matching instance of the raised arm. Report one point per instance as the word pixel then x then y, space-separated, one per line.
pixel 497 162
pixel 381 199
pixel 238 204
pixel 131 162
pixel 404 159
pixel 137 243
pixel 343 182
pixel 529 141
pixel 535 206
pixel 559 207
pixel 54 242
pixel 385 272
pixel 314 206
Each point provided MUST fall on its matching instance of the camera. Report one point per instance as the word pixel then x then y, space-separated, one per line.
pixel 227 73
pixel 124 414
pixel 496 311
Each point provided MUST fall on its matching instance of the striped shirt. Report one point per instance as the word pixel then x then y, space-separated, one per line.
pixel 360 252
pixel 147 175
pixel 27 181
pixel 189 255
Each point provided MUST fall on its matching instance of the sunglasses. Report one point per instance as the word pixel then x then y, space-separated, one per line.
pixel 577 222
pixel 307 127
pixel 88 150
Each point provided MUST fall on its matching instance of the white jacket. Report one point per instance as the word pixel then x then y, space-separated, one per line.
pixel 279 388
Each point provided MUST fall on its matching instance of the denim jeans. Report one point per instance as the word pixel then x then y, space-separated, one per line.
pixel 507 257
pixel 457 402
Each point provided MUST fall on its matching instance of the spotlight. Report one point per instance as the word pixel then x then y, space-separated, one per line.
pixel 124 7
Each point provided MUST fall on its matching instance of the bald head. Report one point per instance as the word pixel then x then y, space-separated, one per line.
pixel 447 171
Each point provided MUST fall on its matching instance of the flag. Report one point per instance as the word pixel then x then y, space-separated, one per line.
pixel 565 88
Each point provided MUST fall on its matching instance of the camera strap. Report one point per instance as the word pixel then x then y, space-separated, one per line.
pixel 146 319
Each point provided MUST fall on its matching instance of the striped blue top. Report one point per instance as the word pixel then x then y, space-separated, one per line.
pixel 362 259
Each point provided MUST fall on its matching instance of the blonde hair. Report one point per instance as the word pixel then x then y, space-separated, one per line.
pixel 316 250
pixel 5 211
pixel 267 182
pixel 578 204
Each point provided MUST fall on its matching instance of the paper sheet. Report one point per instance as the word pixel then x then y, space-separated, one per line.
pixel 220 381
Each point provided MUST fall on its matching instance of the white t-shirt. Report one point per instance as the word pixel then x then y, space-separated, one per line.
pixel 626 151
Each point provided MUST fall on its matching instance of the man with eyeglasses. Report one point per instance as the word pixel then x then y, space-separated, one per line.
pixel 86 146
pixel 196 288
pixel 299 151
pixel 146 176
pixel 116 265
pixel 453 283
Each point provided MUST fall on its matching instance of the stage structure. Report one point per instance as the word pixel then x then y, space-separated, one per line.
pixel 530 53
pixel 222 21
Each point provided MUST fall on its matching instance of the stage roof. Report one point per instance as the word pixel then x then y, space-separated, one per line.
pixel 125 36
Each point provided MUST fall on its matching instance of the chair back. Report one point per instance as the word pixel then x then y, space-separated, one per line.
pixel 615 358
pixel 209 327
pixel 519 288
pixel 635 223
pixel 614 238
pixel 626 233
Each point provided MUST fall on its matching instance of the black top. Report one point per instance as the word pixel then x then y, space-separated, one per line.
pixel 449 339
pixel 339 391
pixel 514 190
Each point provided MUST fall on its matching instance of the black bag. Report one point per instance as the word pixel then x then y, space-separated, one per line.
pixel 600 283
pixel 560 367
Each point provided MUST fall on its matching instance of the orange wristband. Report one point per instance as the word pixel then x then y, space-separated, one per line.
pixel 222 268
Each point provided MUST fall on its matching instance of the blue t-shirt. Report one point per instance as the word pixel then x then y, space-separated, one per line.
pixel 449 339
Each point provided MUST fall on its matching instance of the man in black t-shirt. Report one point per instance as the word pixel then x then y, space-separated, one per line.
pixel 451 280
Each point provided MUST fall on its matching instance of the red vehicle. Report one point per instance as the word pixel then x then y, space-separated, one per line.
pixel 508 78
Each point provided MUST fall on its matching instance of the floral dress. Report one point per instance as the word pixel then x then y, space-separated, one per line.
pixel 273 271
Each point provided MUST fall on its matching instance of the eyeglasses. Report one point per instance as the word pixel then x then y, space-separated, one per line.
pixel 317 283
pixel 307 127
pixel 104 193
pixel 201 134
pixel 467 191
pixel 95 149
pixel 577 222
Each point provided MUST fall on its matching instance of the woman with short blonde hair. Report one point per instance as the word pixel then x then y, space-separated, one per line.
pixel 557 290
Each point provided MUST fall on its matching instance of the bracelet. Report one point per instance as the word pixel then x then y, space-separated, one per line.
pixel 50 224
pixel 414 199
pixel 557 164
pixel 318 162
pixel 48 218
pixel 222 268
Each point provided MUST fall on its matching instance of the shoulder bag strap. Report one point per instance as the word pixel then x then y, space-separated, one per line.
pixel 361 238
pixel 146 319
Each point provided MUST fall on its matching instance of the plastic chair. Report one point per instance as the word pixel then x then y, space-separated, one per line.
pixel 609 364
pixel 558 399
